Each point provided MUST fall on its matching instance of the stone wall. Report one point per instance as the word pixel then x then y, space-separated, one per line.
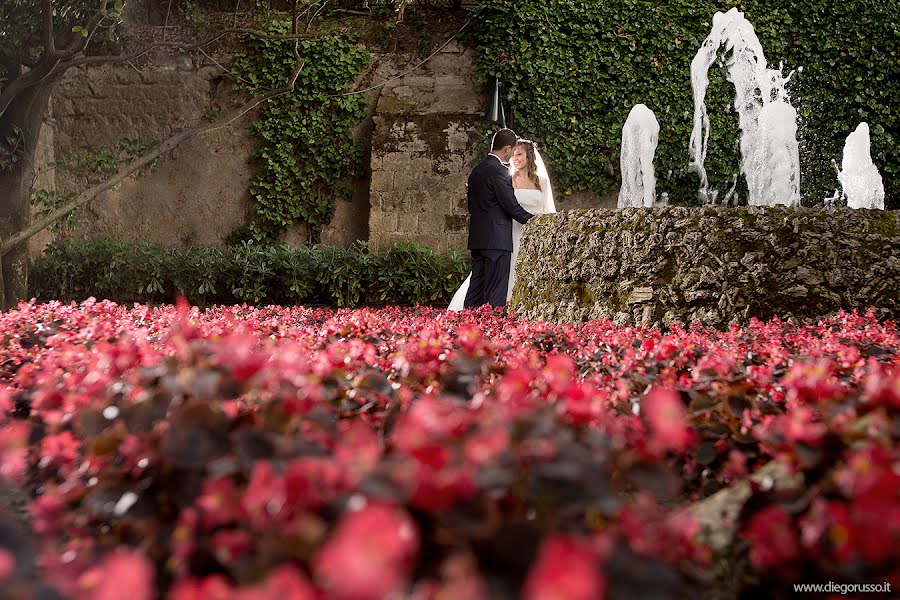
pixel 421 136
pixel 714 265
pixel 199 193
pixel 424 141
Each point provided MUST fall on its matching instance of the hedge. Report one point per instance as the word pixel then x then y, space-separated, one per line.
pixel 278 274
pixel 572 70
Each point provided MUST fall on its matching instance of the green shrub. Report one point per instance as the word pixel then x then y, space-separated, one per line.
pixel 248 273
pixel 574 68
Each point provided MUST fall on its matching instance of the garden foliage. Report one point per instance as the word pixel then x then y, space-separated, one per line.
pixel 307 155
pixel 405 274
pixel 573 70
pixel 241 453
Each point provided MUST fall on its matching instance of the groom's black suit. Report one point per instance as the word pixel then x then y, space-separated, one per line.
pixel 492 207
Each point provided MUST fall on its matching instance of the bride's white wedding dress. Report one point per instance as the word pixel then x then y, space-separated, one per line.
pixel 534 201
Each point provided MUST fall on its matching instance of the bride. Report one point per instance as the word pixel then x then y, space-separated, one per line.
pixel 531 184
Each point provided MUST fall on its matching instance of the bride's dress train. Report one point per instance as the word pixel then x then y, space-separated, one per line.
pixel 532 201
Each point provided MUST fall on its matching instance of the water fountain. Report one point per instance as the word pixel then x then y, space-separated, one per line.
pixel 770 159
pixel 719 264
pixel 770 153
pixel 640 136
pixel 859 177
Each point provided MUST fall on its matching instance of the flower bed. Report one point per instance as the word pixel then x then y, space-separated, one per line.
pixel 409 453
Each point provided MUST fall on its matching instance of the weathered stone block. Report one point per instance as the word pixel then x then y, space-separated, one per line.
pixel 458 241
pixel 456 223
pixel 382 181
pixel 382 221
pixel 711 264
pixel 386 240
pixel 408 222
pixel 420 203
pixel 432 222
pixel 392 202
pixel 425 135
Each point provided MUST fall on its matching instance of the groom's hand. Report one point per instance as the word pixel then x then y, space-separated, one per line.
pixel 506 196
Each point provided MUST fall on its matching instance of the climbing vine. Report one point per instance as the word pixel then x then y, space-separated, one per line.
pixel 307 155
pixel 574 68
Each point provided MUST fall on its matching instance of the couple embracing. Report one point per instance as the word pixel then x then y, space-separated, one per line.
pixel 505 190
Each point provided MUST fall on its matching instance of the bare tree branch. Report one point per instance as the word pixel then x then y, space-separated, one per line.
pixel 312 18
pixel 21 84
pixel 166 22
pixel 80 43
pixel 47 34
pixel 46 70
pixel 294 27
pixel 94 60
pixel 144 161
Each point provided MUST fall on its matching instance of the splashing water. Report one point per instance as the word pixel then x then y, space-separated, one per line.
pixel 769 151
pixel 859 177
pixel 640 136
pixel 777 171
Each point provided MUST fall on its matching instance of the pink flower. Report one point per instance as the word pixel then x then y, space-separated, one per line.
pixel 812 382
pixel 47 512
pixel 359 449
pixel 264 497
pixel 7 565
pixel 60 449
pixel 240 355
pixel 369 555
pixel 284 583
pixel 668 419
pixel 6 401
pixel 735 467
pixel 566 569
pixel 772 537
pixel 801 425
pixel 584 403
pixel 183 543
pixel 14 450
pixel 122 574
pixel 214 587
pixel 218 502
pixel 231 544
pixel 882 385
pixel 483 446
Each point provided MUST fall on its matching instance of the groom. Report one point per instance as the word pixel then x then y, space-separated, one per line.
pixel 492 207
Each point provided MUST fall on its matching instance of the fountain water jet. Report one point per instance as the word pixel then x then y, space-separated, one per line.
pixel 769 159
pixel 776 172
pixel 640 135
pixel 859 177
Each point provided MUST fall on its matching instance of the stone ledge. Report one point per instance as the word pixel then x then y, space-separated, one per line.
pixel 711 264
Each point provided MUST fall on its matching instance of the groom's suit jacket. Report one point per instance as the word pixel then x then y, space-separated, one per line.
pixel 492 206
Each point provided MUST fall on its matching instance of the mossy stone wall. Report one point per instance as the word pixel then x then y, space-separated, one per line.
pixel 710 264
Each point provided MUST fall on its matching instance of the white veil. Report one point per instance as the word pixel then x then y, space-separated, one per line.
pixel 544 178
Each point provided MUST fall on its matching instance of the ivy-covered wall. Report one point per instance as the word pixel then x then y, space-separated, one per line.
pixel 307 155
pixel 574 68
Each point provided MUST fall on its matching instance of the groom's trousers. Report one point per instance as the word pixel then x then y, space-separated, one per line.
pixel 490 278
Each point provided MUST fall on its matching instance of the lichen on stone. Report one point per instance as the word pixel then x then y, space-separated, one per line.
pixel 711 264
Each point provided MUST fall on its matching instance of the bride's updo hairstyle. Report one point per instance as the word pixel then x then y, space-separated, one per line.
pixel 530 163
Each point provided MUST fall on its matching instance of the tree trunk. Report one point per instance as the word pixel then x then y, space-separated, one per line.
pixel 26 112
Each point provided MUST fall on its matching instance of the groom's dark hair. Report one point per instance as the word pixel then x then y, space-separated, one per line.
pixel 504 138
